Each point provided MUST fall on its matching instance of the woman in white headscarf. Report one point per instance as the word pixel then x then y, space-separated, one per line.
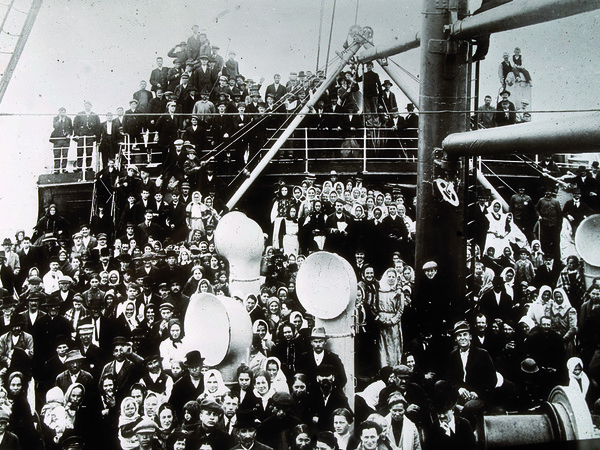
pixel 564 319
pixel 538 309
pixel 578 380
pixel 498 230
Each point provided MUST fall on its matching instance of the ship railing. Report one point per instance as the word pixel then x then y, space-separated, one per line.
pixel 79 154
pixel 365 149
pixel 143 152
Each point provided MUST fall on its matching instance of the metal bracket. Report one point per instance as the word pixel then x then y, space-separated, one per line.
pixel 448 47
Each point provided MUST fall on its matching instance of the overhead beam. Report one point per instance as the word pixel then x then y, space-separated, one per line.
pixel 411 93
pixel 389 49
pixel 574 132
pixel 518 14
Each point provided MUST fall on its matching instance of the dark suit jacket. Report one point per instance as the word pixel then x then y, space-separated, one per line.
pixel 109 143
pixel 87 125
pixel 10 442
pixel 167 128
pixel 462 439
pixel 489 306
pixel 308 366
pixel 278 91
pixel 543 276
pixel 183 392
pixel 578 213
pixel 134 124
pixel 125 378
pixel 61 130
pixel 481 374
pixel 158 78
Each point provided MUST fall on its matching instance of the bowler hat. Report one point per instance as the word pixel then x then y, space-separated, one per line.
pixel 193 358
pixel 528 365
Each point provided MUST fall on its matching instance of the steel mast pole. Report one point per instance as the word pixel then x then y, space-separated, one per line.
pixel 440 234
pixel 344 59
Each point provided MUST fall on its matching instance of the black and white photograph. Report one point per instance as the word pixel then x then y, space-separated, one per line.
pixel 299 225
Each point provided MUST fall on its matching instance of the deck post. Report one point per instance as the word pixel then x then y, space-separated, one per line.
pixel 440 234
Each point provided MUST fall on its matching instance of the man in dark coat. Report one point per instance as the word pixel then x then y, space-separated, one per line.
pixel 158 76
pixel 61 138
pixel 496 303
pixel 190 385
pixel 505 110
pixel 125 367
pixel 109 139
pixel 470 368
pixel 309 362
pixel 86 127
pixel 167 126
pixel 134 122
pixel 336 233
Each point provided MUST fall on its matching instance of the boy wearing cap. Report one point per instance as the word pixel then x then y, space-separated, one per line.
pixel 61 138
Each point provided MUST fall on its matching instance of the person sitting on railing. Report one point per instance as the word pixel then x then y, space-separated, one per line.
pixel 518 69
pixel 61 139
pixel 523 114
pixel 172 167
pixel 86 128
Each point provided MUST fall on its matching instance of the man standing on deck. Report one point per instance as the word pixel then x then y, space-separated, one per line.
pixel 61 138
pixel 86 128
pixel 158 77
pixel 277 89
pixel 372 91
pixel 550 220
pixel 486 114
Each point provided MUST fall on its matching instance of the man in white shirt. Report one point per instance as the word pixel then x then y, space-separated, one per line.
pixel 51 278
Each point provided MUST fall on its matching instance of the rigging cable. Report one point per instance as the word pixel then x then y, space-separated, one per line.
pixel 320 34
pixel 356 15
pixel 330 33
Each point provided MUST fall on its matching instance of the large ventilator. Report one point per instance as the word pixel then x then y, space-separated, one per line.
pixel 241 241
pixel 219 326
pixel 221 329
pixel 587 243
pixel 326 287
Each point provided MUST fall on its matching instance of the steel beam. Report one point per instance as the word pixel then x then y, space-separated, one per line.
pixel 344 59
pixel 574 132
pixel 518 14
pixel 389 49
